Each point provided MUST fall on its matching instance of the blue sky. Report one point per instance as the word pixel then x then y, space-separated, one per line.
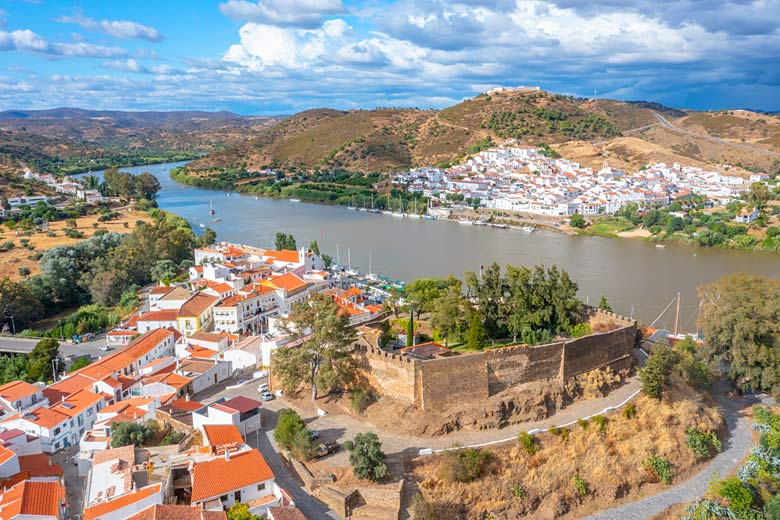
pixel 282 56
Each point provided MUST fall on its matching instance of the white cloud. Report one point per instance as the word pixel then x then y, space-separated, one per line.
pixel 23 40
pixel 128 65
pixel 115 28
pixel 299 13
pixel 87 50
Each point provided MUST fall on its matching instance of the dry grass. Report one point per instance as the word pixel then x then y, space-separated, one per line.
pixel 610 463
pixel 11 261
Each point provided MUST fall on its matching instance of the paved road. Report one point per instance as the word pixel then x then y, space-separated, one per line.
pixel 21 345
pixel 735 449
pixel 666 124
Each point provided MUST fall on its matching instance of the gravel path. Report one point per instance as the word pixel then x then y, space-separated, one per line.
pixel 735 449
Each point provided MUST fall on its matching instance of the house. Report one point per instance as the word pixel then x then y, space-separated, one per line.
pixel 20 442
pixel 235 477
pixel 19 395
pixel 117 486
pixel 746 215
pixel 204 373
pixel 165 386
pixel 172 299
pixel 197 313
pixel 222 437
pixel 162 319
pixel 33 500
pixel 177 512
pixel 247 353
pixel 285 513
pixel 242 412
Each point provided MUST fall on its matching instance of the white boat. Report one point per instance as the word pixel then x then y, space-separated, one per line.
pixel 202 226
pixel 216 220
pixel 294 201
pixel 465 221
pixel 397 214
pixel 660 246
pixel 387 212
pixel 211 209
pixel 480 223
pixel 528 229
pixel 429 217
pixel 352 208
pixel 414 215
pixel 499 226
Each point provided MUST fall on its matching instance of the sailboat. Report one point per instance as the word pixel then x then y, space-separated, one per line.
pixel 414 213
pixel 352 204
pixel 211 209
pixel 293 199
pixel 371 275
pixel 389 208
pixel 373 209
pixel 400 212
pixel 350 271
pixel 363 207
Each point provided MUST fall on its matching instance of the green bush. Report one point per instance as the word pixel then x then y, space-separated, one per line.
pixel 580 485
pixel 739 497
pixel 583 423
pixel 703 445
pixel 360 399
pixel 565 434
pixel 366 456
pixel 601 422
pixel 629 412
pixel 528 442
pixel 464 465
pixel 519 491
pixel 580 330
pixel 660 467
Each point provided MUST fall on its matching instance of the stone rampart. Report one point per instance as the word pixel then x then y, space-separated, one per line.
pixel 436 384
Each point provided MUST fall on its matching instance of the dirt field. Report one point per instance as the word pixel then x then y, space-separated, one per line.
pixel 19 256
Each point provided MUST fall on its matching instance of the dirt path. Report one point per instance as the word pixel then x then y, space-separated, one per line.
pixel 666 124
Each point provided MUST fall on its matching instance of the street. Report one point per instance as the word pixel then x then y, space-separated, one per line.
pixel 19 345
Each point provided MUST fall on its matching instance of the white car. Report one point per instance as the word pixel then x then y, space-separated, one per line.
pixel 104 348
pixel 262 388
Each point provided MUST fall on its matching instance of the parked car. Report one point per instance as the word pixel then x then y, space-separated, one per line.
pixel 266 396
pixel 262 388
pixel 326 448
pixel 314 434
pixel 104 348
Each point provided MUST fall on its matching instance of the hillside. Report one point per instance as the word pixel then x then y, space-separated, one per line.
pixel 63 140
pixel 388 139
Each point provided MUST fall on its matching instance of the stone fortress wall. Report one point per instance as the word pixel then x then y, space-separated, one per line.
pixel 436 384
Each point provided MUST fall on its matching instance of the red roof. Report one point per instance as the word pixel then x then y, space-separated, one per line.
pixel 222 434
pixel 104 508
pixel 242 404
pixel 219 476
pixel 32 498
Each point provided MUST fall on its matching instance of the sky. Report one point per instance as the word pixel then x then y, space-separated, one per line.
pixel 281 56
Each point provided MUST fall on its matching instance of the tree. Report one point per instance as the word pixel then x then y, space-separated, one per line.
pixel 163 270
pixel 39 361
pixel 17 300
pixel 366 456
pixel 288 423
pixel 314 248
pixel 758 194
pixel 410 329
pixel 79 363
pixel 324 357
pixel 146 186
pixel 239 511
pixel 285 241
pixel 476 338
pixel 124 433
pixel 739 319
pixel 577 221
pixel 448 312
pixel 604 304
pixel 655 375
pixel 424 291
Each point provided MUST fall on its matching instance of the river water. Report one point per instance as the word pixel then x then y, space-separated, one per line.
pixel 634 275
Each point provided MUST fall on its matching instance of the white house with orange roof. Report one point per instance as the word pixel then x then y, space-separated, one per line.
pixel 204 373
pixel 242 476
pixel 242 412
pixel 160 319
pixel 118 486
pixel 20 442
pixel 34 500
pixel 197 313
pixel 19 395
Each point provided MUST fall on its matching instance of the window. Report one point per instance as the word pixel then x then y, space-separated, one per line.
pixel 223 498
pixel 57 431
pixel 238 495
pixel 261 487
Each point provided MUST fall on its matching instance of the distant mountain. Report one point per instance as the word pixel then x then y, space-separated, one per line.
pixel 386 139
pixel 76 138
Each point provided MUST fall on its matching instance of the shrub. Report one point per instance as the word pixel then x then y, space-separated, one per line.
pixel 124 433
pixel 519 491
pixel 565 434
pixel 739 497
pixel 464 465
pixel 555 430
pixel 360 399
pixel 528 442
pixel 580 485
pixel 655 374
pixel 288 424
pixel 772 508
pixel 703 445
pixel 51 234
pixel 24 271
pixel 583 423
pixel 629 412
pixel 660 468
pixel 7 246
pixel 580 330
pixel 601 422
pixel 366 456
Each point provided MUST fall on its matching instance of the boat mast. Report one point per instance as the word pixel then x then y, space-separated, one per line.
pixel 677 315
pixel 338 258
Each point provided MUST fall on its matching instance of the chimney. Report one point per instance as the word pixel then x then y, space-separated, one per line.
pixel 187 397
pixel 227 455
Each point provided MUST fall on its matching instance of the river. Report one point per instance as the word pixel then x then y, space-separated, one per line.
pixel 634 275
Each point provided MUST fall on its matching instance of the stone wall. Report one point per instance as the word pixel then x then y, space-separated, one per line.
pixel 437 384
pixel 392 374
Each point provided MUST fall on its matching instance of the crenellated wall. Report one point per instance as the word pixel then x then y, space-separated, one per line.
pixel 439 383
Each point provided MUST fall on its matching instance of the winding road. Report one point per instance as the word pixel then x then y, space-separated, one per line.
pixel 666 124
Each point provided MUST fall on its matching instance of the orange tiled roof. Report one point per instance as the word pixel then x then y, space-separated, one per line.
pixel 161 315
pixel 285 255
pixel 177 512
pixel 197 305
pixel 32 498
pixel 288 282
pixel 6 454
pixel 77 402
pixel 17 390
pixel 39 465
pixel 103 508
pixel 222 434
pixel 219 476
pixel 187 406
